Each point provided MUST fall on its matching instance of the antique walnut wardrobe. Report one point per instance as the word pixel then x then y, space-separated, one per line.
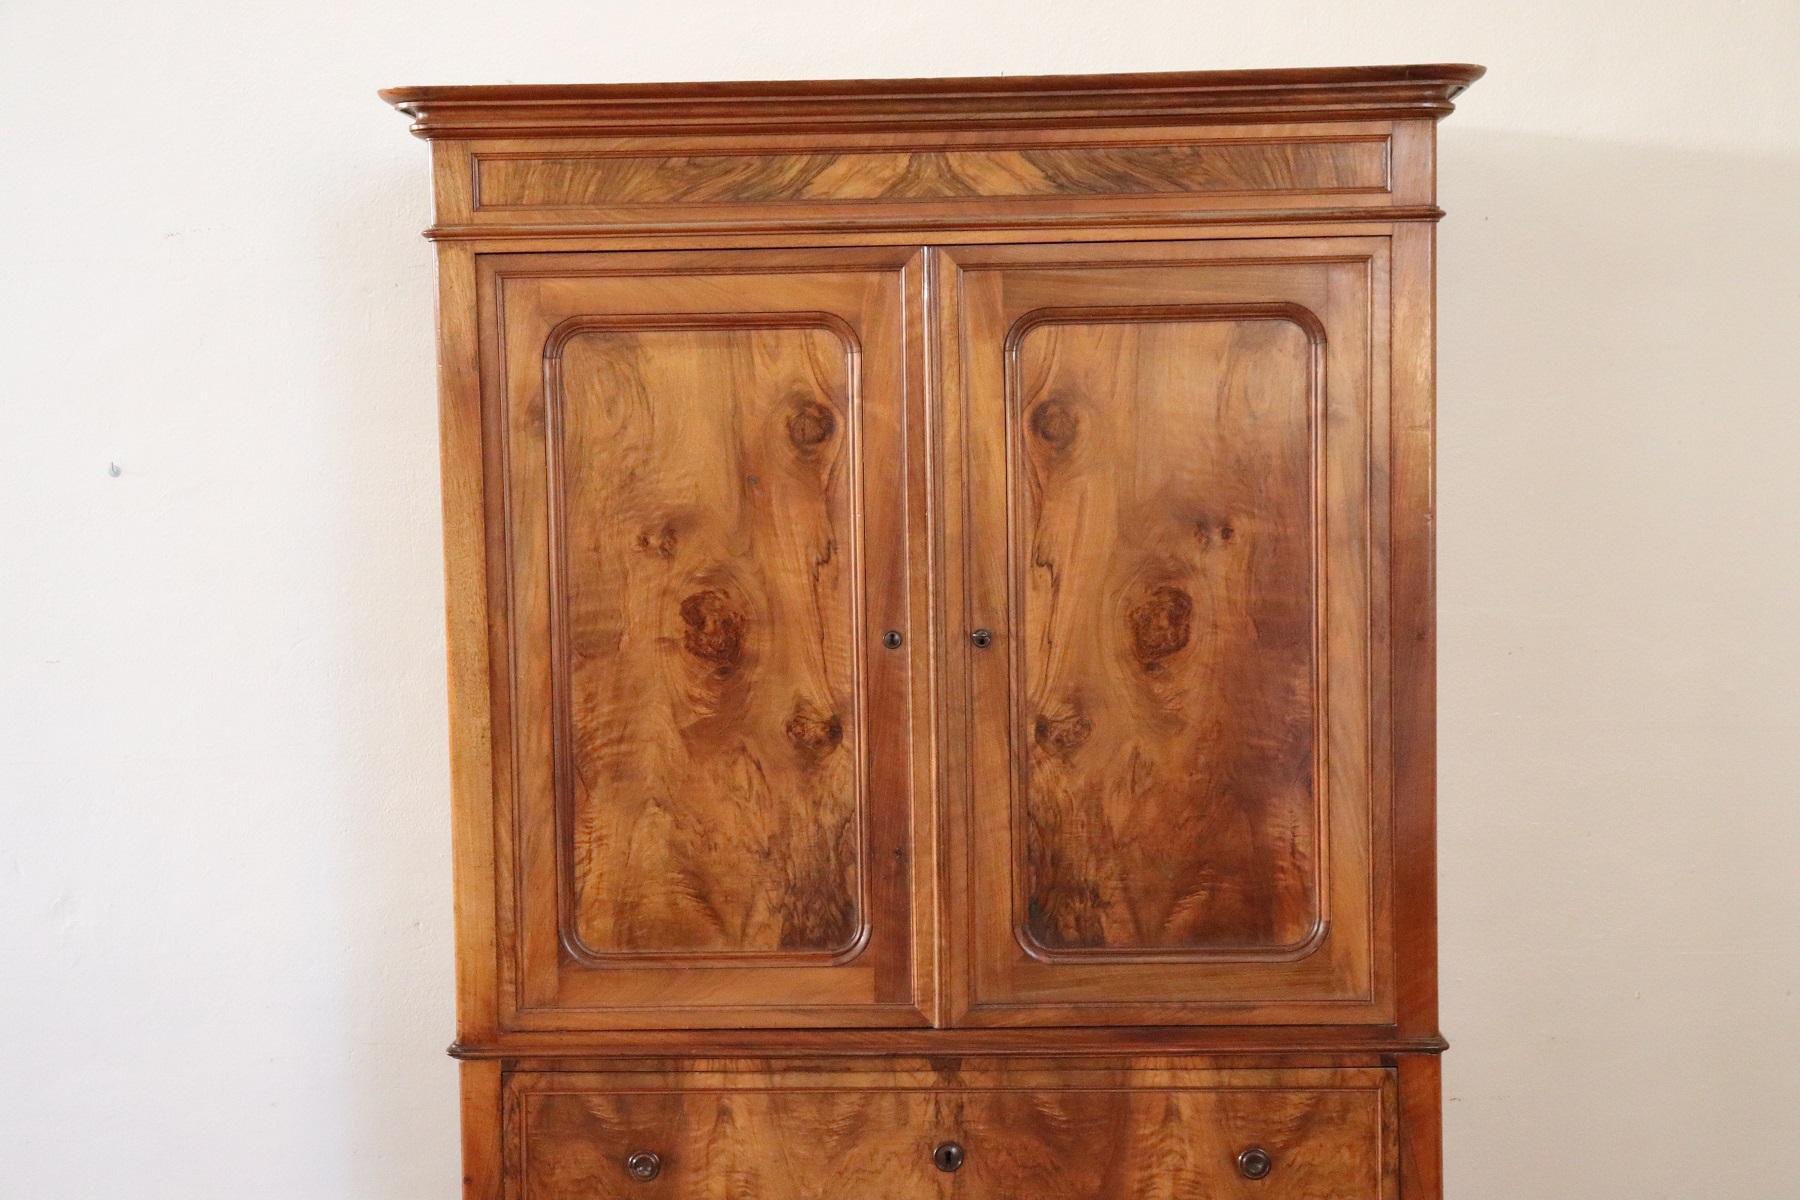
pixel 941 635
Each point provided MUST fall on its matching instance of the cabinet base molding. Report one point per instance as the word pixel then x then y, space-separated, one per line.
pixel 1325 1039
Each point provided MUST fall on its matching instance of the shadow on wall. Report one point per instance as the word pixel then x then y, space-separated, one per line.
pixel 1619 568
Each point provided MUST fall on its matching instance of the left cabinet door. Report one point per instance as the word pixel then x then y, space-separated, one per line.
pixel 709 633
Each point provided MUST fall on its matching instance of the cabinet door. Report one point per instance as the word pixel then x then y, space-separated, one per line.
pixel 700 471
pixel 1170 801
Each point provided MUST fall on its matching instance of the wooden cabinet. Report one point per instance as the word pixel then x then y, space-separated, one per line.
pixel 940 612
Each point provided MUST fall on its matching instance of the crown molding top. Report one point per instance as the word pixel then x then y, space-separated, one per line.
pixel 997 102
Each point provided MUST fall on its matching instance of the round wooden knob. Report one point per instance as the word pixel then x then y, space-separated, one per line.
pixel 1255 1163
pixel 644 1165
pixel 947 1157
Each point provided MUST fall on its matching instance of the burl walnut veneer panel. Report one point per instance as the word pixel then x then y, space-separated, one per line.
pixel 707 716
pixel 1169 803
pixel 844 175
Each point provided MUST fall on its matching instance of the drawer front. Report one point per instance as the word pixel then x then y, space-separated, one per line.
pixel 1326 1135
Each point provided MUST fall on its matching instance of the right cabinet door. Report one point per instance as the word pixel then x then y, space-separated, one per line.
pixel 1165 518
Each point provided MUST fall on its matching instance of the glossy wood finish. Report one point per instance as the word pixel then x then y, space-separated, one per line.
pixel 644 161
pixel 648 185
pixel 1167 802
pixel 707 553
pixel 1135 372
pixel 1065 1041
pixel 705 503
pixel 847 174
pixel 944 105
pixel 1165 455
pixel 1079 1135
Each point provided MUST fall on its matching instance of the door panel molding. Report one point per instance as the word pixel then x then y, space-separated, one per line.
pixel 1337 964
pixel 759 454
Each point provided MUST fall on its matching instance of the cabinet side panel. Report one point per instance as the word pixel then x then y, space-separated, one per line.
pixel 1421 1127
pixel 483 1159
pixel 466 582
pixel 1413 627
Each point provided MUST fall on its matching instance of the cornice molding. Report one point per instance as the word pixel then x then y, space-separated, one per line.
pixel 1001 102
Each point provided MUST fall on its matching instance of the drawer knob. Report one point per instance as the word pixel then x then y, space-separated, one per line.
pixel 1255 1163
pixel 947 1157
pixel 644 1165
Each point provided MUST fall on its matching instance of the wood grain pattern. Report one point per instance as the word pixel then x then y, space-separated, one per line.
pixel 840 175
pixel 706 547
pixel 706 522
pixel 1421 1112
pixel 1056 1135
pixel 1165 540
pixel 1172 735
pixel 483 1156
pixel 936 223
pixel 468 576
pixel 1411 643
pixel 637 187
pixel 934 158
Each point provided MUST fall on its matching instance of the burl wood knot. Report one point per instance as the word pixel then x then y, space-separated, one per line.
pixel 1208 532
pixel 811 425
pixel 662 542
pixel 715 630
pixel 1062 736
pixel 1056 423
pixel 813 735
pixel 1161 624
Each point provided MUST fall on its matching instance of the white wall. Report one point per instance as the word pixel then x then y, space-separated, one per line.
pixel 224 883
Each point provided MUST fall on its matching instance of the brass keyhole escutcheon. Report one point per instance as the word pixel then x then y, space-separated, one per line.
pixel 644 1166
pixel 1255 1163
pixel 947 1157
pixel 892 639
pixel 982 638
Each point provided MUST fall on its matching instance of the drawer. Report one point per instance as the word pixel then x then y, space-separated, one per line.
pixel 1326 1135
